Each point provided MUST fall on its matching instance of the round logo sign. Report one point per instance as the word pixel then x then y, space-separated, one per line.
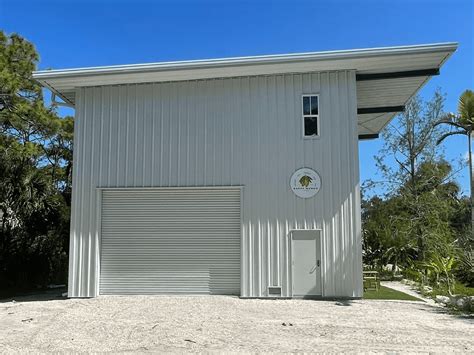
pixel 305 182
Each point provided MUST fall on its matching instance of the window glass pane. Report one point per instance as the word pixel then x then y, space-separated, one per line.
pixel 314 105
pixel 306 105
pixel 310 126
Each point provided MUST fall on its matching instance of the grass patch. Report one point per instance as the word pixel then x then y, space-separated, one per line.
pixel 385 293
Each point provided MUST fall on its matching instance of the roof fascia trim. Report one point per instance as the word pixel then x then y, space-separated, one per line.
pixel 242 61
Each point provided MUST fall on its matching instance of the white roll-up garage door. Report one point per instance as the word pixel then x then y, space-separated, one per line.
pixel 170 241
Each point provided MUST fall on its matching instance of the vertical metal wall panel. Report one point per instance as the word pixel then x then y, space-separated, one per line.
pixel 227 132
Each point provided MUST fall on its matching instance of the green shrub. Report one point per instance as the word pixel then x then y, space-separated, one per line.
pixel 464 269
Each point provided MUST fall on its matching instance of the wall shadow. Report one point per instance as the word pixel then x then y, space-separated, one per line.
pixel 36 296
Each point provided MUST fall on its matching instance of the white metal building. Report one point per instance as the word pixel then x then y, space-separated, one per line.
pixel 229 176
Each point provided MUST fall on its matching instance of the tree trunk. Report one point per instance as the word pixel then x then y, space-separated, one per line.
pixel 472 182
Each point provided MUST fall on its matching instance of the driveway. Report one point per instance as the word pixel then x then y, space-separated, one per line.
pixel 219 323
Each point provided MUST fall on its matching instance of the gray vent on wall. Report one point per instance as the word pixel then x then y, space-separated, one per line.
pixel 274 290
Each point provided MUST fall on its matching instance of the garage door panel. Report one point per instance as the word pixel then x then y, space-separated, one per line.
pixel 172 241
pixel 170 250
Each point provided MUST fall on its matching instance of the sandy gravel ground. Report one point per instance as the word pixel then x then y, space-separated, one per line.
pixel 219 323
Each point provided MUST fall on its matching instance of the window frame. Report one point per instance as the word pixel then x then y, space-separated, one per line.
pixel 303 117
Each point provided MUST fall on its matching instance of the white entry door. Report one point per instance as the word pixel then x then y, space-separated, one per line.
pixel 306 263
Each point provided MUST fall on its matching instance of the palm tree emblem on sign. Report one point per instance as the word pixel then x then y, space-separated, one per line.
pixel 305 180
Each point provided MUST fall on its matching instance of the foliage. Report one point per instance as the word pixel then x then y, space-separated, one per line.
pixel 439 269
pixel 421 224
pixel 411 226
pixel 466 107
pixel 465 267
pixel 462 123
pixel 35 174
pixel 458 288
pixel 408 141
pixel 385 235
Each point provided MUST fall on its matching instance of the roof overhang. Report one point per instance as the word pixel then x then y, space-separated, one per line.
pixel 386 77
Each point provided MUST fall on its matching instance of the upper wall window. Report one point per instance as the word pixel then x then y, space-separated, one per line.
pixel 310 116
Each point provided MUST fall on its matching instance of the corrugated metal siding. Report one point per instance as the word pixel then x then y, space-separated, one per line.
pixel 225 132
pixel 162 241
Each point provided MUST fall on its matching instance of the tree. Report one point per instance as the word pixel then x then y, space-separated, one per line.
pixel 420 223
pixel 408 141
pixel 386 238
pixel 413 224
pixel 35 173
pixel 462 122
pixel 409 144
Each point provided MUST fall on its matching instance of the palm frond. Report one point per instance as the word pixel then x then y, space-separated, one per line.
pixel 449 134
pixel 452 120
pixel 466 107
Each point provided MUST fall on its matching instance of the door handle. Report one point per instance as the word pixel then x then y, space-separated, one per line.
pixel 314 267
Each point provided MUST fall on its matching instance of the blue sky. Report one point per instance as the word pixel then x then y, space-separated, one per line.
pixel 105 32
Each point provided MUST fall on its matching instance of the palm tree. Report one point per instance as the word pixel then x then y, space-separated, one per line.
pixel 463 122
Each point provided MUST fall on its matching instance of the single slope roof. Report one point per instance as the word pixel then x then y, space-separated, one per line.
pixel 386 77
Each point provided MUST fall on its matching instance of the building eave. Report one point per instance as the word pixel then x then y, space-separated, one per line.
pixel 386 77
pixel 245 61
